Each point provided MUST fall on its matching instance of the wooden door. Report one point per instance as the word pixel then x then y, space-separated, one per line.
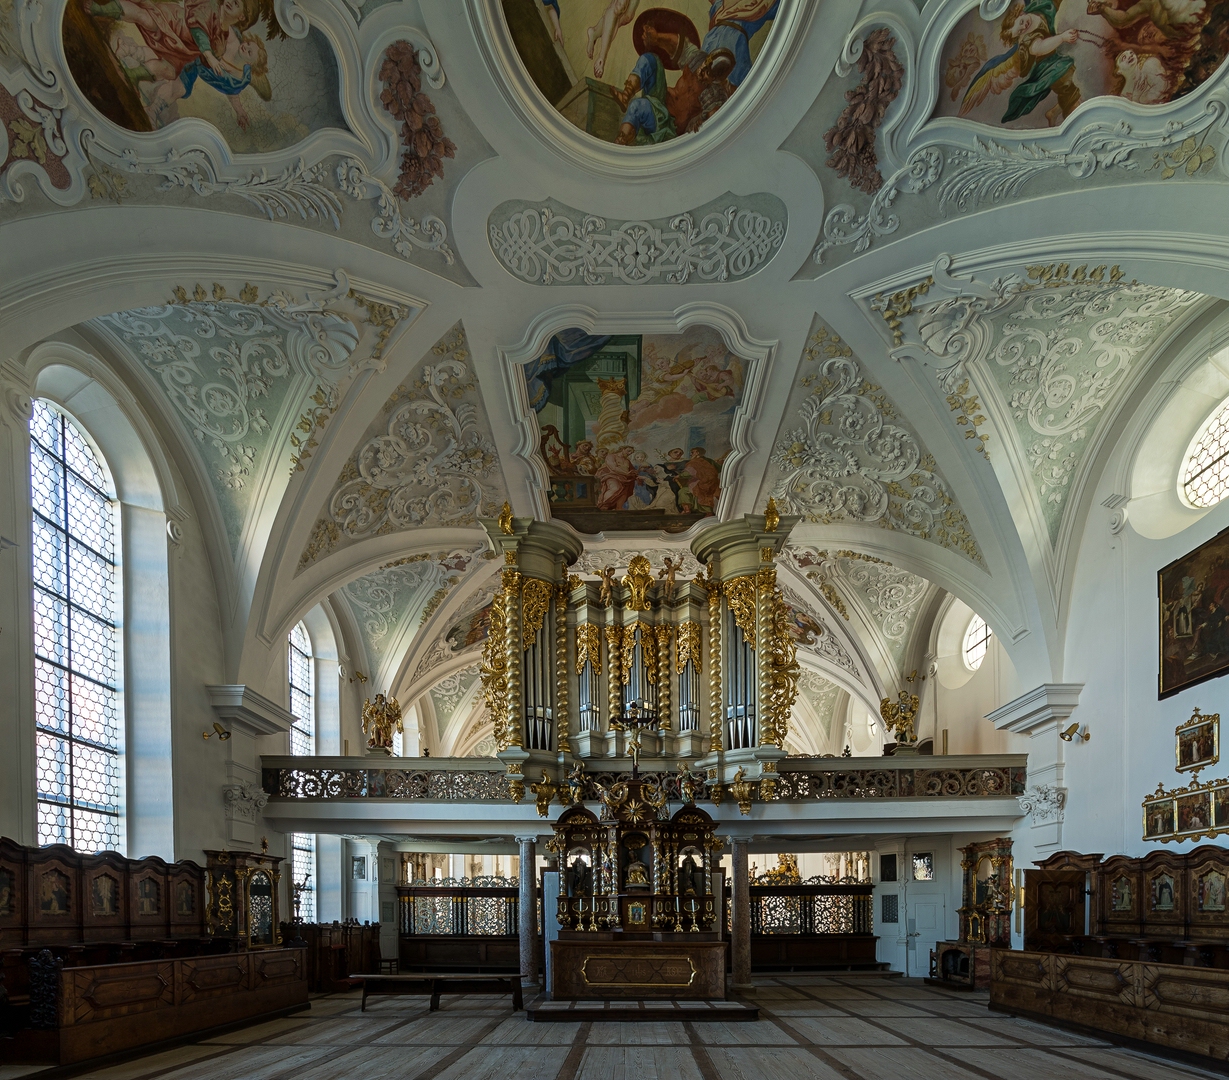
pixel 1054 905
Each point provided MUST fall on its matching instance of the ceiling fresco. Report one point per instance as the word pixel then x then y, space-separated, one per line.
pixel 635 428
pixel 634 74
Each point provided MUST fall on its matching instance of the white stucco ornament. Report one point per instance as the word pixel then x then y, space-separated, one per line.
pixel 1046 803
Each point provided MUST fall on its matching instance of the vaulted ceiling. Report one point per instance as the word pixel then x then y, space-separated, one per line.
pixel 346 314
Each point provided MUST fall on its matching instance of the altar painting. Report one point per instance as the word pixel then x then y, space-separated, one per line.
pixel 635 429
pixel 635 73
pixel 1194 616
pixel 1038 62
pixel 144 64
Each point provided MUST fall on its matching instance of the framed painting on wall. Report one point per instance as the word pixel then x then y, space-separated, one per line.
pixel 1193 603
pixel 1159 817
pixel 1198 742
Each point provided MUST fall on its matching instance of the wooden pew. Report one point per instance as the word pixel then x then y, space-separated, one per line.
pixel 437 984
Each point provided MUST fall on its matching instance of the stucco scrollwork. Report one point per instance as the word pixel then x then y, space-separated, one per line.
pixel 553 244
pixel 244 799
pixel 823 642
pixel 427 458
pixel 1045 803
pixel 853 458
pixel 449 691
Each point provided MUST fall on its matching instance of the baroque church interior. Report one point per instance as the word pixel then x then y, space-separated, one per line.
pixel 587 538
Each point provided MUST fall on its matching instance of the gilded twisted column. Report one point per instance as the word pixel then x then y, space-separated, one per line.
pixel 614 642
pixel 765 584
pixel 512 648
pixel 716 720
pixel 562 718
pixel 665 633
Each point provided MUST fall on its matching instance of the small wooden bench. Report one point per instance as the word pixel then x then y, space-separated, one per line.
pixel 428 982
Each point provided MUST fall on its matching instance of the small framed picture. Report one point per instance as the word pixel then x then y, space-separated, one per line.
pixel 358 867
pixel 924 866
pixel 1220 807
pixel 1194 812
pixel 1159 818
pixel 1198 742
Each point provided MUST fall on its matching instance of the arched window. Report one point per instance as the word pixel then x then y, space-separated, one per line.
pixel 302 741
pixel 1205 472
pixel 76 641
pixel 303 731
pixel 976 642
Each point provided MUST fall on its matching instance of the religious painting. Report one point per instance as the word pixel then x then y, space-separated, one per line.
pixel 1210 895
pixel 1220 808
pixel 1164 896
pixel 358 867
pixel 1034 65
pixel 634 74
pixel 1158 818
pixel 469 630
pixel 185 900
pixel 146 63
pixel 1198 742
pixel 1194 812
pixel 54 893
pixel 104 896
pixel 149 897
pixel 1194 615
pixel 1122 896
pixel 8 894
pixel 636 915
pixel 924 867
pixel 635 429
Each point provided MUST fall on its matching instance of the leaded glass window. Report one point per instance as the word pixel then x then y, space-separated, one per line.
pixel 76 642
pixel 303 730
pixel 1205 473
pixel 303 848
pixel 976 642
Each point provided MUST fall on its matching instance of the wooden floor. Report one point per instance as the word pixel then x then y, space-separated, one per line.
pixel 811 1028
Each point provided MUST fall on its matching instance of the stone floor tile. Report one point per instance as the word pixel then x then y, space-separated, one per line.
pixel 638 1063
pixel 777 1063
pixel 899 1063
pixel 842 1031
pixel 645 1033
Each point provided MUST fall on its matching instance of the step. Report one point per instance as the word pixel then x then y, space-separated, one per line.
pixel 542 1010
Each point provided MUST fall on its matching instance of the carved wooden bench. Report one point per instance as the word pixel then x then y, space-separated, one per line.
pixel 436 984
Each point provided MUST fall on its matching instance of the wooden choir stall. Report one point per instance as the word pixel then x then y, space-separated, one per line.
pixel 638 916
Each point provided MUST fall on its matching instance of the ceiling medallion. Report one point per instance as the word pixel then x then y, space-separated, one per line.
pixel 621 84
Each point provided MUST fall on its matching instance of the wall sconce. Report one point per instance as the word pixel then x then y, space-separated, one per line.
pixel 359 676
pixel 218 730
pixel 1073 733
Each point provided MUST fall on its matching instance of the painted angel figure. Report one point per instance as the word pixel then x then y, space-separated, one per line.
pixel 1032 66
pixel 601 34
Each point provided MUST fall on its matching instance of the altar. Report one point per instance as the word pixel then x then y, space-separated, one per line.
pixel 637 913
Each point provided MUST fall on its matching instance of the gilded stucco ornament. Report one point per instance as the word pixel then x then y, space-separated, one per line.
pixel 536 597
pixel 740 598
pixel 899 716
pixel 637 581
pixel 588 647
pixel 688 646
pixel 494 671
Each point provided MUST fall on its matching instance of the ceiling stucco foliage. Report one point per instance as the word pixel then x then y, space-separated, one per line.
pixel 822 696
pixel 401 592
pixel 550 243
pixel 427 459
pixel 855 458
pixel 349 138
pixel 593 560
pixel 450 691
pixel 238 373
pixel 960 165
pixel 1061 345
pixel 815 636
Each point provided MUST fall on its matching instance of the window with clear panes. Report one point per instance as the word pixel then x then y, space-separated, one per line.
pixel 78 714
pixel 302 741
pixel 303 850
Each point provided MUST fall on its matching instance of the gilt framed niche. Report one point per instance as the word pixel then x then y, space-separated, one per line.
pixel 1193 609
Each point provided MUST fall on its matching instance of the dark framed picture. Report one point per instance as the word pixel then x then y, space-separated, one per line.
pixel 1198 742
pixel 1159 818
pixel 1194 812
pixel 1193 603
pixel 1220 807
pixel 358 867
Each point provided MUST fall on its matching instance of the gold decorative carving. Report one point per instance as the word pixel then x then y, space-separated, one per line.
pixel 614 641
pixel 588 648
pixel 895 308
pixel 667 574
pixel 509 557
pixel 899 716
pixel 494 672
pixel 772 517
pixel 535 601
pixel 663 632
pixel 505 519
pixel 716 722
pixel 740 596
pixel 516 790
pixel 742 790
pixel 629 649
pixel 381 718
pixel 691 784
pixel 717 793
pixel 638 578
pixel 782 678
pixel 966 407
pixel 543 791
pixel 512 582
pixel 689 646
pixel 606 589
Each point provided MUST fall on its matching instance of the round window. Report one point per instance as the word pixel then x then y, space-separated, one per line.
pixel 976 642
pixel 1205 470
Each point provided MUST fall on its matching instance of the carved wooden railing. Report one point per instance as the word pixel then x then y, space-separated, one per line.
pixel 799 779
pixel 484 907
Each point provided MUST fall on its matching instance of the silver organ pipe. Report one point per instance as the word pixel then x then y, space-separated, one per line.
pixel 689 698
